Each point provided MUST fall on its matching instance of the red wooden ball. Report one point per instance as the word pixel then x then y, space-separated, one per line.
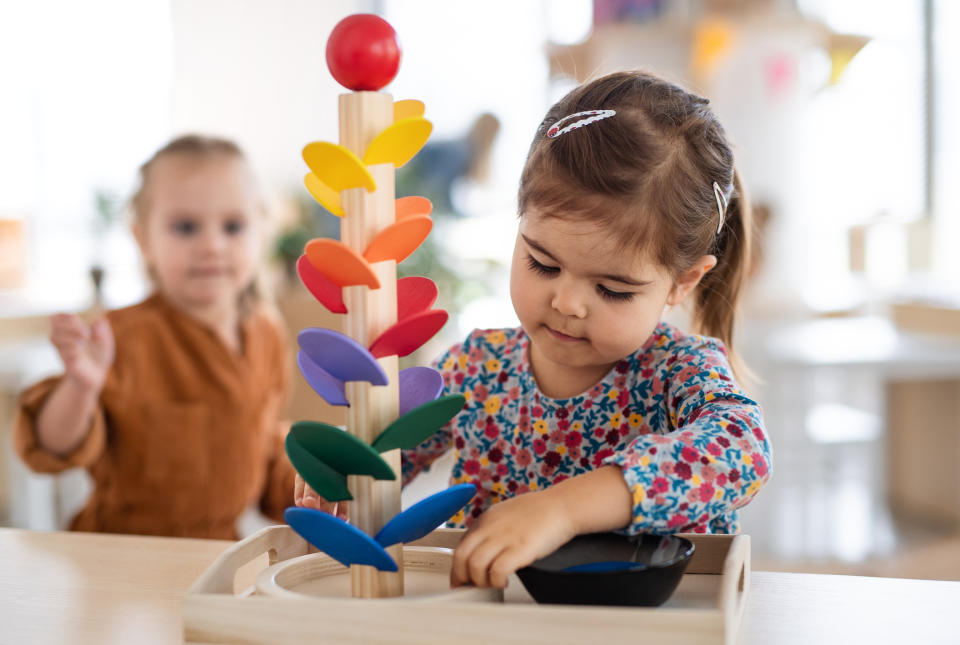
pixel 363 53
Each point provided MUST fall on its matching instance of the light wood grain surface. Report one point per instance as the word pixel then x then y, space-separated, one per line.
pixel 370 312
pixel 58 587
pixel 84 588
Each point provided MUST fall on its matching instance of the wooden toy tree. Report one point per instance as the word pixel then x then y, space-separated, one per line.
pixel 388 409
pixel 392 409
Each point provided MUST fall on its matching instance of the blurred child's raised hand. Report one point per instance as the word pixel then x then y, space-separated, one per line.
pixel 511 535
pixel 87 351
pixel 305 496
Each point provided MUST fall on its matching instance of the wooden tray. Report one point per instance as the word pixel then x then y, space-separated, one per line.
pixel 706 608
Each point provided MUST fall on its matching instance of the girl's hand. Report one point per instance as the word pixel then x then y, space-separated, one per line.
pixel 305 496
pixel 511 535
pixel 87 351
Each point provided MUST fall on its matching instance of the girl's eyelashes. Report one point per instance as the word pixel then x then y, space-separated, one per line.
pixel 542 269
pixel 184 227
pixel 549 272
pixel 234 226
pixel 617 296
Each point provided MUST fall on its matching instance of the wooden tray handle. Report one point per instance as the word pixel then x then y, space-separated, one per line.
pixel 280 542
pixel 736 583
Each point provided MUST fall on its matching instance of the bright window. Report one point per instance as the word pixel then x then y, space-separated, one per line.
pixel 86 98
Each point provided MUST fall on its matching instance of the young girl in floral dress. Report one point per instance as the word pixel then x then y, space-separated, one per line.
pixel 594 415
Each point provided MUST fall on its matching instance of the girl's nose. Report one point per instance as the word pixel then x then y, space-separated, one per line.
pixel 568 300
pixel 213 241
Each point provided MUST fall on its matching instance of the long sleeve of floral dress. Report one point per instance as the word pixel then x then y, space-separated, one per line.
pixel 715 459
pixel 690 443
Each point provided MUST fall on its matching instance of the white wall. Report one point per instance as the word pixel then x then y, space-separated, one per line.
pixel 256 72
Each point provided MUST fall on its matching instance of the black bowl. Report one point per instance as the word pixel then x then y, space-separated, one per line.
pixel 610 569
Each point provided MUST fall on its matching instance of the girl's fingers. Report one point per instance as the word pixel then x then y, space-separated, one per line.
pixel 69 353
pixel 102 334
pixel 508 561
pixel 61 322
pixel 320 504
pixel 64 338
pixel 480 560
pixel 310 497
pixel 342 511
pixel 459 572
pixel 70 323
pixel 305 496
pixel 298 484
pixel 458 566
pixel 68 332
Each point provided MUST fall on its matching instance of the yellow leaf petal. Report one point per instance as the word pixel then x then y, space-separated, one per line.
pixel 399 142
pixel 337 166
pixel 408 109
pixel 326 196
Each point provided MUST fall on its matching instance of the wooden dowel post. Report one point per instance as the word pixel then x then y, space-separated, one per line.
pixel 363 115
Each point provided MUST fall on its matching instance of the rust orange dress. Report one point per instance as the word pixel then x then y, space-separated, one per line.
pixel 187 434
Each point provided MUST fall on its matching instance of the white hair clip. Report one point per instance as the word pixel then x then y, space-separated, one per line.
pixel 721 205
pixel 590 116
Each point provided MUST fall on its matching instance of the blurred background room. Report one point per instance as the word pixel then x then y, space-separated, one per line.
pixel 840 111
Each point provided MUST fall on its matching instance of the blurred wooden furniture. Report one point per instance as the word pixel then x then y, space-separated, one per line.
pixel 923 421
pixel 864 364
pixel 12 253
pixel 85 588
pixel 925 318
pixel 923 450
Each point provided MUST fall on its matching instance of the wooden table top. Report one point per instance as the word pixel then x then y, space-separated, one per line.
pixel 62 587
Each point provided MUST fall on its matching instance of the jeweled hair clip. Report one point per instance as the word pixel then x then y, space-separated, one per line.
pixel 721 205
pixel 586 118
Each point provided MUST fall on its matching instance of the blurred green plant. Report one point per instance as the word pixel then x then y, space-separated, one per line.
pixel 108 206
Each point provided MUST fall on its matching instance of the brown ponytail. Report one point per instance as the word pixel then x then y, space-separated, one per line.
pixel 714 304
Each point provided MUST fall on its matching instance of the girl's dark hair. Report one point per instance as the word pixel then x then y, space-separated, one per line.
pixel 648 173
pixel 192 146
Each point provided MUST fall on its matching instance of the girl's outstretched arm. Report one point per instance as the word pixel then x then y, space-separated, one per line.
pixel 514 533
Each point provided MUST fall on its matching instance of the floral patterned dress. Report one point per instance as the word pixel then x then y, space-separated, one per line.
pixel 691 444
